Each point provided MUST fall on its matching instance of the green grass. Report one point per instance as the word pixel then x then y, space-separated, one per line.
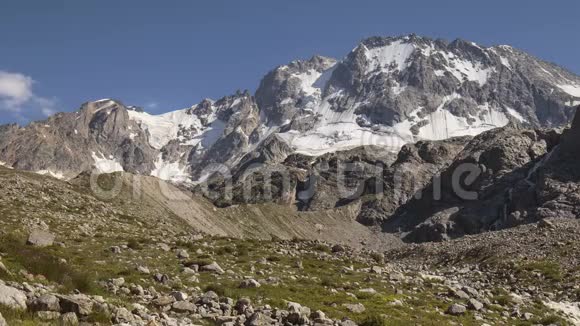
pixel 44 261
pixel 550 270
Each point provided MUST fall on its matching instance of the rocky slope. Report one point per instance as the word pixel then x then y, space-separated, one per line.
pixel 387 92
pixel 69 256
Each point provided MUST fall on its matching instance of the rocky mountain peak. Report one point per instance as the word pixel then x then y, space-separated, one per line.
pixel 387 92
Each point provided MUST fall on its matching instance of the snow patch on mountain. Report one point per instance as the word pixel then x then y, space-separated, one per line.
pixel 170 171
pixel 466 70
pixel 382 58
pixel 308 80
pixel 516 114
pixel 106 165
pixel 443 124
pixel 573 90
pixel 57 175
pixel 165 127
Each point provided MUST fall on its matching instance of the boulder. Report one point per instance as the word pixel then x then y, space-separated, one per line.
pixel 12 298
pixel 357 308
pixel 46 302
pixel 163 301
pixel 213 268
pixel 78 304
pixel 475 305
pixel 182 254
pixel 249 284
pixel 47 315
pixel 40 238
pixel 179 296
pixel 122 315
pixel 184 307
pixel 68 319
pixel 456 310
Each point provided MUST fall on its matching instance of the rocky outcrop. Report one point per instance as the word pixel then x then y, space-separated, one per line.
pixel 415 168
pixel 502 178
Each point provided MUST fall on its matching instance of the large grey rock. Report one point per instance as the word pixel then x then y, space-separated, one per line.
pixel 248 284
pixel 356 308
pixel 456 310
pixel 68 319
pixel 78 304
pixel 46 302
pixel 12 297
pixel 40 238
pixel 184 307
pixel 213 268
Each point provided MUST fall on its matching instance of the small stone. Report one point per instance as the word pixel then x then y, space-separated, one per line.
pixel 182 254
pixel 143 270
pixel 47 315
pixel 377 270
pixel 475 305
pixel 250 284
pixel 355 308
pixel 161 278
pixel 213 267
pixel 545 223
pixel 456 310
pixel 123 316
pixel 164 247
pixel 68 319
pixel 368 291
pixel 118 281
pixel 184 307
pixel 163 301
pixel 179 296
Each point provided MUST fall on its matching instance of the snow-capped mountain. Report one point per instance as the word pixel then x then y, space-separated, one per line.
pixel 388 91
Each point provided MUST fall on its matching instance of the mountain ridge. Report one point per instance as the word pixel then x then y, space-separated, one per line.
pixel 388 91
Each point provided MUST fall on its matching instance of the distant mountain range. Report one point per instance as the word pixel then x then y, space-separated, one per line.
pixel 387 92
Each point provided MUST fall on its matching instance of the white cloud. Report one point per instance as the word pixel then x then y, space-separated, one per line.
pixel 15 89
pixel 17 96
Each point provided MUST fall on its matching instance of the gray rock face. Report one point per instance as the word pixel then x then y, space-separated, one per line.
pixel 502 178
pixel 499 162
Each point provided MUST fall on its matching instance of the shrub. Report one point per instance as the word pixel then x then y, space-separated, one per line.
pixel 40 261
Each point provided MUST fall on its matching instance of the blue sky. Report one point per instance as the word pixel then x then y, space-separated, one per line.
pixel 166 55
